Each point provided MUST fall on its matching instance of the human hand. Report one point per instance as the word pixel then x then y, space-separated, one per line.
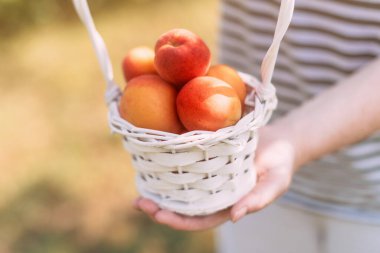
pixel 275 159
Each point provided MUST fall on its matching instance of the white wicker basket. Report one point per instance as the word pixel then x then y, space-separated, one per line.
pixel 199 172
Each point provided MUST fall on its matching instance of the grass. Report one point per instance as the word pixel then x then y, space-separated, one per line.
pixel 66 183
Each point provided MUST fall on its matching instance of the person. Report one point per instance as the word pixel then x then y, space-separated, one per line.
pixel 319 159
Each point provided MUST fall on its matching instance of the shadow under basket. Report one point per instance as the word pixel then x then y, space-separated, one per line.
pixel 199 172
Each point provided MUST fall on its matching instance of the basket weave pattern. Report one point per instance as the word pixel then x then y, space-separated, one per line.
pixel 199 172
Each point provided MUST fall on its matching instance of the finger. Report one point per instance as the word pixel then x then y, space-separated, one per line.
pixel 135 203
pixel 268 188
pixel 148 206
pixel 189 223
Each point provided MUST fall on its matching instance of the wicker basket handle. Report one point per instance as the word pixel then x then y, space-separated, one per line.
pixel 267 66
pixel 84 13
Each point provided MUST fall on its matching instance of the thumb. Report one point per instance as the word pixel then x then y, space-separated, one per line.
pixel 271 184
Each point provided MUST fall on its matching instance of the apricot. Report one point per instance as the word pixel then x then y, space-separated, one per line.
pixel 230 76
pixel 208 103
pixel 181 56
pixel 150 102
pixel 138 61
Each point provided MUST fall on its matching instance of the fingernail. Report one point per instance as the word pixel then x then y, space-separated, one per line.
pixel 239 214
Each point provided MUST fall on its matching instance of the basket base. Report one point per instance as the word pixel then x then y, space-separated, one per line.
pixel 212 204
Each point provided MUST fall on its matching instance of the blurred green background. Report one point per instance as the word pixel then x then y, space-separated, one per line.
pixel 66 183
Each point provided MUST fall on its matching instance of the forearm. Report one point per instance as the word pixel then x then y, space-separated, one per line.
pixel 342 115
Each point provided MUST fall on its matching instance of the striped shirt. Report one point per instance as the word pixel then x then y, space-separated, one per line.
pixel 326 42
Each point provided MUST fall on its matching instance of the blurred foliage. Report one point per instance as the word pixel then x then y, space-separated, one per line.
pixel 45 218
pixel 16 15
pixel 66 184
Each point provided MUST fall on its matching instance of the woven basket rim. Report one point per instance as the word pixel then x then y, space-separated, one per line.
pixel 200 138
